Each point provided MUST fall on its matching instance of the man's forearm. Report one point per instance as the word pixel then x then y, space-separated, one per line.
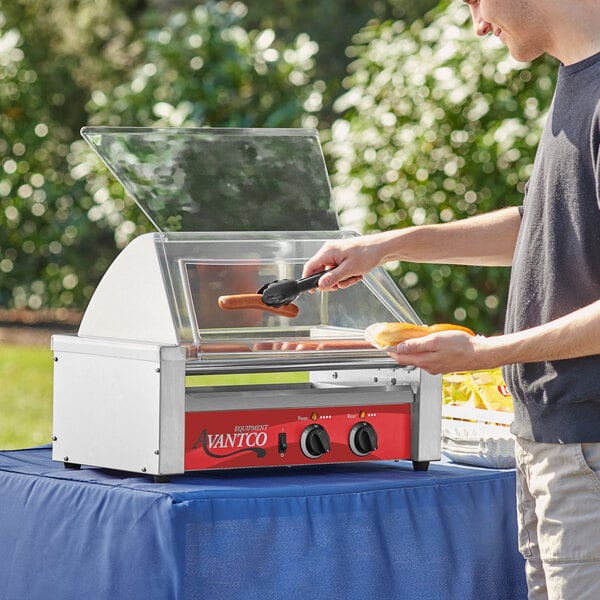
pixel 486 240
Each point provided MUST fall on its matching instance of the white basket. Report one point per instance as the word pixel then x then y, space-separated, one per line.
pixel 478 437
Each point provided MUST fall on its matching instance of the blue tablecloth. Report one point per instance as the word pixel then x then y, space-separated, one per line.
pixel 371 530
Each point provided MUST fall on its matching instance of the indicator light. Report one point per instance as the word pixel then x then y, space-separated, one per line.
pixel 314 416
pixel 362 414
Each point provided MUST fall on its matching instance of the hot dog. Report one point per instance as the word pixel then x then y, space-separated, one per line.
pixel 343 345
pixel 245 301
pixel 262 346
pixel 212 347
pixel 388 335
pixel 314 344
pixel 306 345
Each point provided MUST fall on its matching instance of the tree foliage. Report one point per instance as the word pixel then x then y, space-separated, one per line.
pixel 332 25
pixel 435 124
pixel 199 68
pixel 62 211
pixel 51 254
pixel 438 125
pixel 41 218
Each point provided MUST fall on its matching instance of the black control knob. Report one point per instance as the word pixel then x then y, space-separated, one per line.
pixel 362 439
pixel 314 441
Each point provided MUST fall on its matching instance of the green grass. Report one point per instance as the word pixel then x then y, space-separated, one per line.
pixel 25 396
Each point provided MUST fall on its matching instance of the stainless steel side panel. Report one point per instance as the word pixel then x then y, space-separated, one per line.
pixel 426 419
pixel 119 405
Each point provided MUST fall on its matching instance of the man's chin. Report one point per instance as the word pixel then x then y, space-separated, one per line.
pixel 524 54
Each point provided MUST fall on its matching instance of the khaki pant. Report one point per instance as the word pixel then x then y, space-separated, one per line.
pixel 558 506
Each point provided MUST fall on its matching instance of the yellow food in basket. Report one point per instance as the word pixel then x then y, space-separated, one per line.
pixel 477 389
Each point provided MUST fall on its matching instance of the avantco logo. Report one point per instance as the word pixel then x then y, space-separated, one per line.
pixel 244 438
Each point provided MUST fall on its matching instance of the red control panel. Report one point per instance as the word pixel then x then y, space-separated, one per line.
pixel 296 436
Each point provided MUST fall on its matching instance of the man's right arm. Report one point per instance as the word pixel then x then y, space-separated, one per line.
pixel 486 240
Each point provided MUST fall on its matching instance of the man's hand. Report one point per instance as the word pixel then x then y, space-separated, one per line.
pixel 347 260
pixel 443 352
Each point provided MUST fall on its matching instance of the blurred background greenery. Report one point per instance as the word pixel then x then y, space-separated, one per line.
pixel 421 122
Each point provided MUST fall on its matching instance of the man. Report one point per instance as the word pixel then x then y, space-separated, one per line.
pixel 551 347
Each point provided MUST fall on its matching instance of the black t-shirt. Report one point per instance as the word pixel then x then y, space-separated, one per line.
pixel 556 267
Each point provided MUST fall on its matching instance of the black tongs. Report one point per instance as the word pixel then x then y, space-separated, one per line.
pixel 285 291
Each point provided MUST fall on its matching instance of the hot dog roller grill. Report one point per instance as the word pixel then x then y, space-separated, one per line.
pixel 160 380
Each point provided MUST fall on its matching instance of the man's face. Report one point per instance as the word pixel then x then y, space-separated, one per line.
pixel 517 23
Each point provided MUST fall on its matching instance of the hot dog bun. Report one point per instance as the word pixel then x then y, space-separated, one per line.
pixel 389 335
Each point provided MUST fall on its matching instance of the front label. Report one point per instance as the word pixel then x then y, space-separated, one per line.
pixel 230 439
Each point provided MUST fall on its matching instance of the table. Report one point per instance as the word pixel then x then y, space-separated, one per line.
pixel 370 530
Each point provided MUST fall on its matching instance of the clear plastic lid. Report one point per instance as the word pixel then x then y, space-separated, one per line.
pixel 236 209
pixel 204 179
